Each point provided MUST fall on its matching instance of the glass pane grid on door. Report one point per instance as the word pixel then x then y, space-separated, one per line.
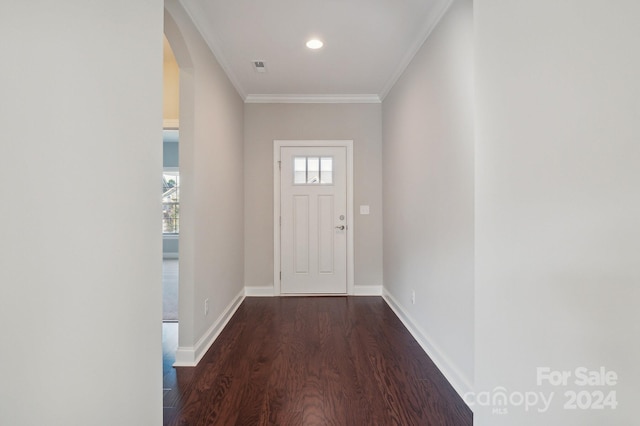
pixel 313 170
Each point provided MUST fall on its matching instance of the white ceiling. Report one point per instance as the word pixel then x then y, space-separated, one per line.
pixel 367 44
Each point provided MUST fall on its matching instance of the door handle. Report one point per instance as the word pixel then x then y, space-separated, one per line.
pixel 341 227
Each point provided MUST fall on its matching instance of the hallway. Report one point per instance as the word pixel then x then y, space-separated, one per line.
pixel 315 360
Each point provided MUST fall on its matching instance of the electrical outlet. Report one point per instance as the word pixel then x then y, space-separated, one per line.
pixel 206 307
pixel 413 297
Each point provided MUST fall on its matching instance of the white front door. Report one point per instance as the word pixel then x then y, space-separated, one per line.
pixel 313 209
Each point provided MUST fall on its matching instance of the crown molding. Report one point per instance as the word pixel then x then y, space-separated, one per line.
pixel 312 99
pixel 439 10
pixel 170 123
pixel 196 14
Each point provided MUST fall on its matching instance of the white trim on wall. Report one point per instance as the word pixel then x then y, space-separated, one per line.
pixel 190 356
pixel 312 99
pixel 170 123
pixel 196 14
pixel 439 9
pixel 459 382
pixel 277 145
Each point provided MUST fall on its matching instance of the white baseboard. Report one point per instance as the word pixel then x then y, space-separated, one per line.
pixel 259 291
pixel 459 382
pixel 358 290
pixel 190 356
pixel 367 290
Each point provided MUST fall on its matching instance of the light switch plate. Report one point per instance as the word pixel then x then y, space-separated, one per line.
pixel 364 209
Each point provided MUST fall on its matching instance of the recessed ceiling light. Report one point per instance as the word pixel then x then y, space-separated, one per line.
pixel 314 44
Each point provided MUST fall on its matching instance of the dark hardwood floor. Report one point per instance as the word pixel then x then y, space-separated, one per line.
pixel 313 361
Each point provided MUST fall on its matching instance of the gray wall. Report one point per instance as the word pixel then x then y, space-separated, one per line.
pixel 428 162
pixel 211 176
pixel 80 293
pixel 557 218
pixel 265 123
pixel 170 154
pixel 170 247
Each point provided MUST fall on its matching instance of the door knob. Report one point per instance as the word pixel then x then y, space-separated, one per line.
pixel 341 227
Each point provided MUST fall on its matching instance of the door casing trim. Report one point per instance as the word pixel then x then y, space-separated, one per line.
pixel 277 145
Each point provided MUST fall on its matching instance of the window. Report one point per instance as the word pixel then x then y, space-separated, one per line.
pixel 313 170
pixel 170 202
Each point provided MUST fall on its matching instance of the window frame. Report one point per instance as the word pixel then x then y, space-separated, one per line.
pixel 171 170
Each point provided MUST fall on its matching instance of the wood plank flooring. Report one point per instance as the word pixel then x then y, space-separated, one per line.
pixel 313 361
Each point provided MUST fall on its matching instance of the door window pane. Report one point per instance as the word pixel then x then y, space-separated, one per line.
pixel 300 170
pixel 326 170
pixel 313 170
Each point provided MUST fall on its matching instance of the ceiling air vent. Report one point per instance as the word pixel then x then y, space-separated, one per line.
pixel 259 66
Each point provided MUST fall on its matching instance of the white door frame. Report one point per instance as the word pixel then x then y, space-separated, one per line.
pixel 277 144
